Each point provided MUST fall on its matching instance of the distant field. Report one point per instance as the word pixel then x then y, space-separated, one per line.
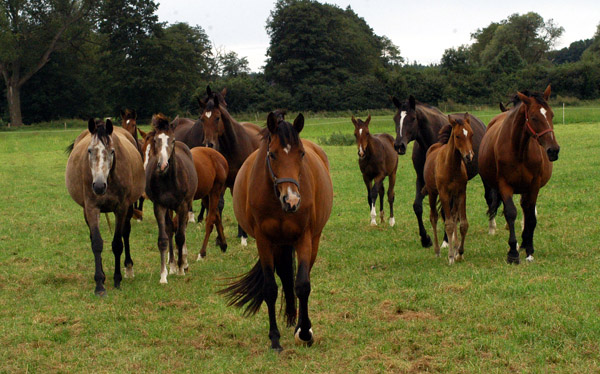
pixel 380 303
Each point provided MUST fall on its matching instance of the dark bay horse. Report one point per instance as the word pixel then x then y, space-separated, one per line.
pixel 422 123
pixel 171 182
pixel 212 169
pixel 235 141
pixel 105 174
pixel 446 176
pixel 282 197
pixel 377 160
pixel 129 123
pixel 516 157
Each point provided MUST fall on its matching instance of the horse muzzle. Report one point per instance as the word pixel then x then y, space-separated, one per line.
pixel 290 202
pixel 553 153
pixel 468 158
pixel 99 188
pixel 162 167
pixel 400 147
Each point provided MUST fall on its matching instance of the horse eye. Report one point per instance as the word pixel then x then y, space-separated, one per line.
pixel 89 151
pixel 272 155
pixel 302 154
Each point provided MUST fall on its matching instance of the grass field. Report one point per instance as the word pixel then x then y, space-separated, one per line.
pixel 380 303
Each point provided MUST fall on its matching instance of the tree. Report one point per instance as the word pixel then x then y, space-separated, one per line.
pixel 592 53
pixel 228 64
pixel 30 31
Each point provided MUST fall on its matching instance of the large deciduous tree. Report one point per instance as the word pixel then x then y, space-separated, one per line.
pixel 30 31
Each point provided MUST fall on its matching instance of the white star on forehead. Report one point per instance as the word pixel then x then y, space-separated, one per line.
pixel 208 114
pixel 465 132
pixel 287 148
pixel 360 131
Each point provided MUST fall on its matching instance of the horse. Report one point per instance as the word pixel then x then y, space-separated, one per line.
pixel 171 182
pixel 422 123
pixel 282 197
pixel 105 174
pixel 377 160
pixel 212 169
pixel 445 175
pixel 129 123
pixel 516 157
pixel 235 141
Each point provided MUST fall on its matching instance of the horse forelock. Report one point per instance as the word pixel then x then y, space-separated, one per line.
pixel 285 132
pixel 101 134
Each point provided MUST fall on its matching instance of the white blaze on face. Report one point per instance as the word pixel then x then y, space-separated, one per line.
pixel 208 114
pixel 465 132
pixel 164 156
pixel 361 151
pixel 287 149
pixel 100 166
pixel 543 111
pixel 128 121
pixel 402 116
pixel 147 156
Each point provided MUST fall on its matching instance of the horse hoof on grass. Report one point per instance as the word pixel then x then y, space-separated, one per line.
pixel 529 258
pixel 426 242
pixel 223 247
pixel 244 242
pixel 100 293
pixel 513 260
pixel 301 341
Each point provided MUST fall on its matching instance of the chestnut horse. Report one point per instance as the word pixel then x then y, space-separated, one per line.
pixel 105 174
pixel 236 141
pixel 171 182
pixel 129 123
pixel 377 159
pixel 516 157
pixel 422 123
pixel 282 197
pixel 211 168
pixel 446 176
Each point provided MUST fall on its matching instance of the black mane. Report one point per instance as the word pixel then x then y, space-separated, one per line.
pixel 285 131
pixel 536 95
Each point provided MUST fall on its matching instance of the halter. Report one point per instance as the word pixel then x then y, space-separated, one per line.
pixel 536 135
pixel 278 181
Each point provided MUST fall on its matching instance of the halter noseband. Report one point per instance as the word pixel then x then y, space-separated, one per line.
pixel 536 135
pixel 278 181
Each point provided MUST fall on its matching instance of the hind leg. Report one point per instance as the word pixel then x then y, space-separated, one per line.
pixel 117 245
pixel 267 262
pixel 92 217
pixel 381 194
pixel 160 213
pixel 433 218
pixel 170 224
pixel 418 209
pixel 491 198
pixel 510 214
pixel 182 262
pixel 126 234
pixel 391 195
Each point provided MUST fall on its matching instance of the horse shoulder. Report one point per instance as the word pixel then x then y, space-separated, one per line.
pixel 130 164
pixel 318 151
pixel 76 172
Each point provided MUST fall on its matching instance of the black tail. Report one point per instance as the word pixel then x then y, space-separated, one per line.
pixel 247 289
pixel 69 148
pixel 494 203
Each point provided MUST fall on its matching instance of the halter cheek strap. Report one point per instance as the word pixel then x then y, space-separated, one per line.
pixel 278 181
pixel 536 135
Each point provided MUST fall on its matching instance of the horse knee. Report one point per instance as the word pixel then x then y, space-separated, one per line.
pixel 302 288
pixel 464 226
pixel 418 207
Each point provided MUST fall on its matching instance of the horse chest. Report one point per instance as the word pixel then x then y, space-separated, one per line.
pixel 281 230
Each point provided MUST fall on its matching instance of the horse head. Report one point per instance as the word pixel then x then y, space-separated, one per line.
pixel 406 123
pixel 101 153
pixel 161 142
pixel 212 119
pixel 462 137
pixel 362 135
pixel 538 121
pixel 128 121
pixel 285 153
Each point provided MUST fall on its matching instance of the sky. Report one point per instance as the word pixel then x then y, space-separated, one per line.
pixel 422 30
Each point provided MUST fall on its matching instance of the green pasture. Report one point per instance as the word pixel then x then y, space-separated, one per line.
pixel 379 304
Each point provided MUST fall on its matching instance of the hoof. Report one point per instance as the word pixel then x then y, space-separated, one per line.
pixel 100 293
pixel 426 242
pixel 180 271
pixel 172 268
pixel 244 242
pixel 191 218
pixel 163 281
pixel 277 349
pixel 373 222
pixel 492 231
pixel 459 257
pixel 223 247
pixel 444 244
pixel 451 261
pixel 129 272
pixel 301 341
pixel 392 221
pixel 200 257
pixel 529 258
pixel 513 260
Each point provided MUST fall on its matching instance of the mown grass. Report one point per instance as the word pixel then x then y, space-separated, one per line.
pixel 379 302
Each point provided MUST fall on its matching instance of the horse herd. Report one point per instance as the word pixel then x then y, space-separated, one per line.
pixel 282 190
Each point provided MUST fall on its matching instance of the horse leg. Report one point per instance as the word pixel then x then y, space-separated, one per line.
pixel 182 262
pixel 191 218
pixel 528 203
pixel 284 266
pixel 377 185
pixel 117 245
pixel 381 194
pixel 214 210
pixel 491 198
pixel 210 221
pixel 433 218
pixel 391 196
pixel 170 224
pixel 92 217
pixel 126 233
pixel 160 213
pixel 202 209
pixel 464 224
pixel 305 255
pixel 418 209
pixel 266 254
pixel 368 184
pixel 510 214
pixel 449 224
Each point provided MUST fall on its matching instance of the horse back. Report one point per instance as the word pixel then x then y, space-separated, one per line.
pixel 253 131
pixel 211 168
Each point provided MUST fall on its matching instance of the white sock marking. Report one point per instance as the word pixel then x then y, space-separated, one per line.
pixel 392 221
pixel 244 242
pixel 373 215
pixel 529 258
pixel 444 244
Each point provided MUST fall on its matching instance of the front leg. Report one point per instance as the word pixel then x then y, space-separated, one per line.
pixel 305 255
pixel 117 245
pixel 528 203
pixel 510 214
pixel 126 233
pixel 160 213
pixel 92 218
pixel 464 224
pixel 182 262
pixel 368 184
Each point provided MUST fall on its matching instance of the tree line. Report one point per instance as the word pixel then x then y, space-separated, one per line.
pixel 82 58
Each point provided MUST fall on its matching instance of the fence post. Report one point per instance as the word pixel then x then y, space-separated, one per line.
pixel 563 113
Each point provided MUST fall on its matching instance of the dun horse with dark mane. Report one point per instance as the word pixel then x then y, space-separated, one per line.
pixel 282 197
pixel 516 157
pixel 377 160
pixel 105 174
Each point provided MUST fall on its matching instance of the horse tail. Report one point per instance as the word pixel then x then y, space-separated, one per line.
pixel 69 148
pixel 494 203
pixel 247 289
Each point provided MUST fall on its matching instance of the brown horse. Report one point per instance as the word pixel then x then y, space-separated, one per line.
pixel 105 174
pixel 446 176
pixel 377 159
pixel 234 140
pixel 129 123
pixel 171 182
pixel 282 197
pixel 422 123
pixel 516 158
pixel 211 168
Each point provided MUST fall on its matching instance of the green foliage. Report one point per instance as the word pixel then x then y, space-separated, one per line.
pixel 338 138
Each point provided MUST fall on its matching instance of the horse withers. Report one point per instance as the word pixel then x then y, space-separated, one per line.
pixel 171 182
pixel 105 174
pixel 516 157
pixel 446 176
pixel 129 123
pixel 377 160
pixel 282 197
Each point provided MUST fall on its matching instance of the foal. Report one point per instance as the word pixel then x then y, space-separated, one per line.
pixel 377 159
pixel 171 183
pixel 446 175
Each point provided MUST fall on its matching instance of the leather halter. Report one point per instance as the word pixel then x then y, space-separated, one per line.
pixel 278 181
pixel 536 135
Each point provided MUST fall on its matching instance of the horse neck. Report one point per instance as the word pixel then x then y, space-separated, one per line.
pixel 453 158
pixel 232 127
pixel 429 124
pixel 519 136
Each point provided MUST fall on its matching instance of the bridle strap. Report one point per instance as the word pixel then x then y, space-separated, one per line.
pixel 536 135
pixel 278 181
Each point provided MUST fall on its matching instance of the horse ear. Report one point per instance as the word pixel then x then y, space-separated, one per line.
pixel 109 126
pixel 122 113
pixel 467 119
pixel 396 102
pixel 412 103
pixel 299 123
pixel 524 98
pixel 368 120
pixel 272 122
pixel 174 123
pixel 502 107
pixel 208 90
pixel 201 105
pixel 354 121
pixel 452 121
pixel 142 133
pixel 224 92
pixel 92 125
pixel 547 92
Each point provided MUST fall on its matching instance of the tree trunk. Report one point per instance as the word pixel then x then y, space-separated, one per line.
pixel 13 94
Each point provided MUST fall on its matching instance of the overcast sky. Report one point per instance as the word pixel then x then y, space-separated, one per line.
pixel 422 30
